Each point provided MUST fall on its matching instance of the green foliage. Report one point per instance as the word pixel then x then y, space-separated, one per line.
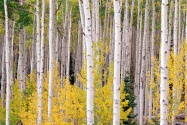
pixel 20 13
pixel 128 88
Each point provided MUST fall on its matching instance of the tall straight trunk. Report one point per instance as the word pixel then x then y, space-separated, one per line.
pixel 83 28
pixel 41 65
pixel 175 39
pixel 170 25
pixel 3 78
pixel 33 46
pixel 97 20
pixel 143 63
pixel 152 59
pixel 38 53
pixel 117 62
pixel 136 76
pixel 7 65
pixel 51 41
pixel 164 65
pixel 93 19
pixel 68 46
pixel 140 42
pixel 89 56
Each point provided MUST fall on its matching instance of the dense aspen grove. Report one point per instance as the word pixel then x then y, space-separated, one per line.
pixel 94 62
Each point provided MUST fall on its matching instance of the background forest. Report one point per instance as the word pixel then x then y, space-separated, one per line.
pixel 102 62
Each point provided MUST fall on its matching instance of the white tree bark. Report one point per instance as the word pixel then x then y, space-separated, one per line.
pixel 152 59
pixel 41 66
pixel 117 62
pixel 164 65
pixel 143 63
pixel 68 46
pixel 51 41
pixel 89 56
pixel 7 65
pixel 3 77
pixel 38 52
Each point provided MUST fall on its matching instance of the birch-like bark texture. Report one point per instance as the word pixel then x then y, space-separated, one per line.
pixel 68 46
pixel 89 57
pixel 152 59
pixel 3 77
pixel 51 41
pixel 38 53
pixel 33 46
pixel 117 62
pixel 175 39
pixel 41 66
pixel 143 64
pixel 164 65
pixel 170 25
pixel 7 65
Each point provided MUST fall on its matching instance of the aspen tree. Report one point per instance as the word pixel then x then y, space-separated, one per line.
pixel 89 57
pixel 136 76
pixel 38 53
pixel 7 64
pixel 97 20
pixel 152 55
pixel 33 46
pixel 3 77
pixel 175 39
pixel 117 62
pixel 143 64
pixel 41 65
pixel 164 65
pixel 68 46
pixel 170 25
pixel 51 41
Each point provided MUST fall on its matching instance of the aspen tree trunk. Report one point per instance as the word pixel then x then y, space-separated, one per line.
pixel 33 46
pixel 175 39
pixel 41 66
pixel 68 46
pixel 89 56
pixel 117 61
pixel 93 19
pixel 97 20
pixel 164 65
pixel 83 28
pixel 126 65
pixel 175 31
pixel 140 42
pixel 152 59
pixel 20 61
pixel 64 45
pixel 51 41
pixel 170 25
pixel 38 53
pixel 3 78
pixel 7 65
pixel 143 64
pixel 136 84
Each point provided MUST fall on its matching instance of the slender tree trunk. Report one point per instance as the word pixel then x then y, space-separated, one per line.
pixel 186 73
pixel 152 58
pixel 7 65
pixel 38 53
pixel 143 64
pixel 51 41
pixel 175 39
pixel 117 62
pixel 41 66
pixel 3 78
pixel 164 65
pixel 89 56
